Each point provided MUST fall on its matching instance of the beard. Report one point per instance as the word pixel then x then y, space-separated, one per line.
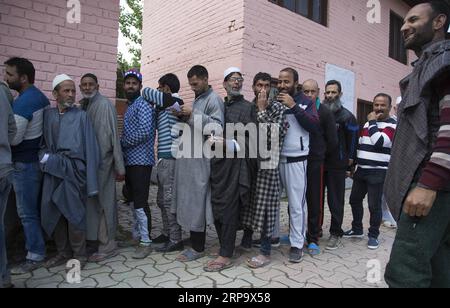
pixel 233 93
pixel 89 96
pixel 132 96
pixel 16 86
pixel 67 104
pixel 334 104
pixel 290 91
pixel 421 37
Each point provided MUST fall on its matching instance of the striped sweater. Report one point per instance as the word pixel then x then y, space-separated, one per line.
pixel 375 143
pixel 165 119
pixel 436 174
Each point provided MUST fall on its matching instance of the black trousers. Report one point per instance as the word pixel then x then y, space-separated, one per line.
pixel 137 182
pixel 198 241
pixel 371 182
pixel 335 184
pixel 315 199
pixel 227 238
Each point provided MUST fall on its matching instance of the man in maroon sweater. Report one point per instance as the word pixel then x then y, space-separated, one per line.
pixel 418 181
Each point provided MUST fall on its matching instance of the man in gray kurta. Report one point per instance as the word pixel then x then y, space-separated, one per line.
pixel 101 211
pixel 69 159
pixel 7 133
pixel 192 190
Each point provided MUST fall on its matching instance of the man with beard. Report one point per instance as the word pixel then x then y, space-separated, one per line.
pixel 303 122
pixel 69 158
pixel 192 189
pixel 231 176
pixel 418 181
pixel 321 142
pixel 102 209
pixel 138 141
pixel 372 163
pixel 27 177
pixel 339 162
pixel 261 215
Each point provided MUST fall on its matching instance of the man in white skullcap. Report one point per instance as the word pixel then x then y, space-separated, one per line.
pixel 69 158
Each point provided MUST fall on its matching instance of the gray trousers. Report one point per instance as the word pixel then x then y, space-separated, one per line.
pixel 166 178
pixel 293 179
pixel 70 242
pixel 5 187
pixel 107 242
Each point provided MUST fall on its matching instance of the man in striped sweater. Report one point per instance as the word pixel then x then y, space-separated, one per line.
pixel 166 99
pixel 372 162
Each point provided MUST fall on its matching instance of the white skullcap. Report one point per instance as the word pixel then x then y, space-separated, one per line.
pixel 230 71
pixel 59 79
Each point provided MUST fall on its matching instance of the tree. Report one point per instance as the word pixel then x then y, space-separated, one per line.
pixel 131 27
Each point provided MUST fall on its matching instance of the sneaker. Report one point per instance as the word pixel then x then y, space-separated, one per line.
pixel 353 234
pixel 142 252
pixel 162 239
pixel 275 243
pixel 334 243
pixel 373 243
pixel 390 225
pixel 27 267
pixel 295 255
pixel 313 249
pixel 128 243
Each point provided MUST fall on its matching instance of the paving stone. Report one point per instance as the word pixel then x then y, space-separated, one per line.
pixel 195 283
pixel 85 283
pixel 104 280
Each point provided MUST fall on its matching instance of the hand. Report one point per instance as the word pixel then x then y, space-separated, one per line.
pixel 186 110
pixel 351 162
pixel 373 116
pixel 262 102
pixel 120 178
pixel 216 140
pixel 286 100
pixel 419 202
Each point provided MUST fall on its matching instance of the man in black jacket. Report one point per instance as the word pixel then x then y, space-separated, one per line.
pixel 339 161
pixel 322 142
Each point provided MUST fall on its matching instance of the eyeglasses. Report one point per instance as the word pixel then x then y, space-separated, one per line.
pixel 236 79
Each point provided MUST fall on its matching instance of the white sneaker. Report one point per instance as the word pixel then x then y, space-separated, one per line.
pixel 390 225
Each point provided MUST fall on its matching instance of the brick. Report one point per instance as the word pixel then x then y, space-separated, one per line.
pixel 18 12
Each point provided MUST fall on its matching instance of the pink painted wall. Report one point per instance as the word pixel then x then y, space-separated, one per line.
pixel 38 30
pixel 267 37
pixel 180 34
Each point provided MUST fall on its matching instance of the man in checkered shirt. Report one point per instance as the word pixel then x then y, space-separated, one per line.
pixel 138 142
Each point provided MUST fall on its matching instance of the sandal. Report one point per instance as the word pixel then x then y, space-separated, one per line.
pixel 100 257
pixel 214 266
pixel 258 262
pixel 190 255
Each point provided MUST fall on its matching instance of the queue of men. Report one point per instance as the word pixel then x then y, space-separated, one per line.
pixel 63 164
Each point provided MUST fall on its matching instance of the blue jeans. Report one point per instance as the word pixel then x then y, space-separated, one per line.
pixel 27 186
pixel 5 188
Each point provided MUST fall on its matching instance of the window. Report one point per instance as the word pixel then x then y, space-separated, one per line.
pixel 315 10
pixel 364 108
pixel 397 49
